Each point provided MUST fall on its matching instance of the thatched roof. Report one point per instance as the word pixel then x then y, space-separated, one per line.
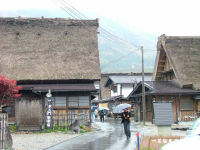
pixel 49 49
pixel 183 54
pixel 105 91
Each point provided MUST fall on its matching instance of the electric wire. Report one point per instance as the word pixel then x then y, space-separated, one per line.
pixel 76 14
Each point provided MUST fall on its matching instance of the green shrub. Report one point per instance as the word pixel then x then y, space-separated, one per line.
pixel 82 131
pixel 84 127
pixel 13 127
pixel 47 130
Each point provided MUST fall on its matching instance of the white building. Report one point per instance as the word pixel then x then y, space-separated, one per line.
pixel 124 85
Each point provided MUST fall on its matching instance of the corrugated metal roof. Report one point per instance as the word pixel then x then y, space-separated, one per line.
pixel 128 79
pixel 123 79
pixel 112 98
pixel 163 113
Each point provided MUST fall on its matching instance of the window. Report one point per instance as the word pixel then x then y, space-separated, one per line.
pixel 115 89
pixel 83 100
pixel 75 101
pixel 96 84
pixel 60 101
pixel 186 104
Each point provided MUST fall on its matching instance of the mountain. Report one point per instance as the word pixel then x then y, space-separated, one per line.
pixel 115 55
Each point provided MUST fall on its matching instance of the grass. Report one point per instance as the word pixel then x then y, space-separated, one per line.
pixel 13 127
pixel 83 129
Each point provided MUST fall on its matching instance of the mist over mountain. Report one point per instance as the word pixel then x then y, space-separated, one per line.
pixel 115 56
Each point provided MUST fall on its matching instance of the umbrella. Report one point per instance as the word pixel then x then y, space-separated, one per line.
pixel 120 107
pixel 93 107
pixel 103 108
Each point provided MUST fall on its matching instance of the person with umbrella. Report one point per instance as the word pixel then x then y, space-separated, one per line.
pixel 93 112
pixel 126 119
pixel 102 113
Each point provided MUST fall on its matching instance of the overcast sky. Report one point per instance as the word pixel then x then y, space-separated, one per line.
pixel 172 17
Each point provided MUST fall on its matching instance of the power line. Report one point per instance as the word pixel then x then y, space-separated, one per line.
pixel 76 14
pixel 72 11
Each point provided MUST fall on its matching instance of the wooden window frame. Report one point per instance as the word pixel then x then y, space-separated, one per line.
pixel 187 109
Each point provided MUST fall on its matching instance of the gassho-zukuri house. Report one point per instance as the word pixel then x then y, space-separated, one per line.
pixel 56 54
pixel 175 79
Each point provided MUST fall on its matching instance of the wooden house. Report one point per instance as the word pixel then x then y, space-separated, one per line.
pixel 175 79
pixel 54 54
pixel 115 87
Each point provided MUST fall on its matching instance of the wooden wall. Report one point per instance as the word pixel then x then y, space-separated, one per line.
pixel 28 113
pixel 178 114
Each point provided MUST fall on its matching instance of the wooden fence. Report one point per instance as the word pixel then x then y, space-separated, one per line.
pixel 188 116
pixel 5 136
pixel 156 142
pixel 68 120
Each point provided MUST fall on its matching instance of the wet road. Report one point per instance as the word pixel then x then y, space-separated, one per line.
pixel 110 137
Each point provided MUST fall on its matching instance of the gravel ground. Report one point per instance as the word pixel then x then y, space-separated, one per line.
pixel 30 141
pixel 38 141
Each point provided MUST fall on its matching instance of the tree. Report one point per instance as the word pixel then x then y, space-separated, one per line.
pixel 8 90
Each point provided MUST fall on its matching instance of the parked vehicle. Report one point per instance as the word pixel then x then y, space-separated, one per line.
pixel 187 143
pixel 190 141
pixel 194 129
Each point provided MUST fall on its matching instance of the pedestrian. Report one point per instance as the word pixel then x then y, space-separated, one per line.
pixel 115 116
pixel 93 113
pixel 96 113
pixel 101 114
pixel 126 119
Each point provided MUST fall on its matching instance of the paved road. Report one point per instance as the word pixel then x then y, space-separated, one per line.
pixel 109 137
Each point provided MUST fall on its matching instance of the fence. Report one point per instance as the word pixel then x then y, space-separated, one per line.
pixel 68 120
pixel 156 142
pixel 188 116
pixel 5 136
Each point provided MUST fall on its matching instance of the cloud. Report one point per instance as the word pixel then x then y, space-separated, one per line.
pixel 172 17
pixel 27 4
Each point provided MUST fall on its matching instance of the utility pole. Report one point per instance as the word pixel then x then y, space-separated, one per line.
pixel 143 89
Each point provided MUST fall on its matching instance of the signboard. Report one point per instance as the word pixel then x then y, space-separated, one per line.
pixel 49 120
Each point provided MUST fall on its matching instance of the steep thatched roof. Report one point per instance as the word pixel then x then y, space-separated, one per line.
pixel 183 54
pixel 49 49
